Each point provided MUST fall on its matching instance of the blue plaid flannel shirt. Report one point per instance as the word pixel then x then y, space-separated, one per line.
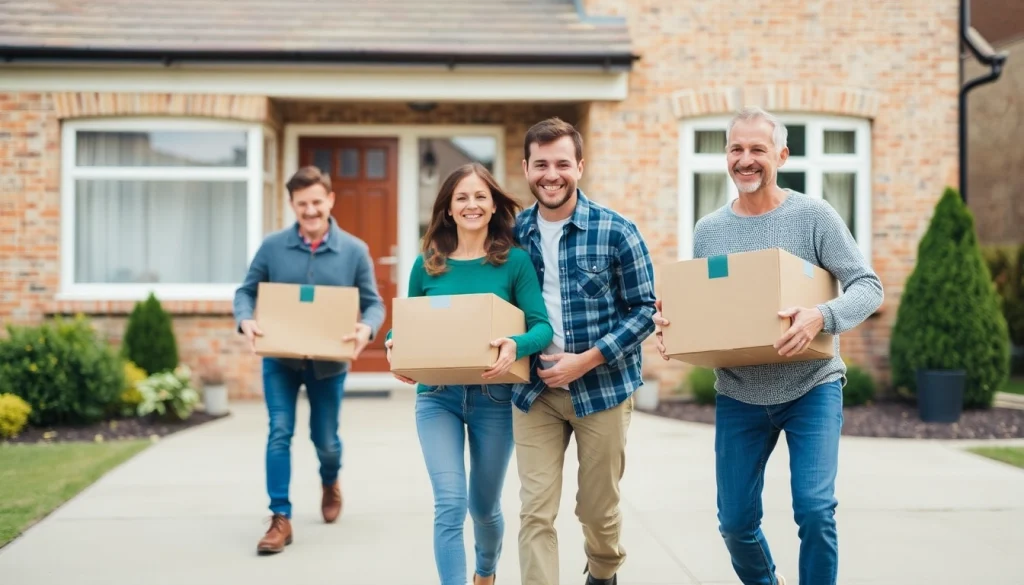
pixel 607 283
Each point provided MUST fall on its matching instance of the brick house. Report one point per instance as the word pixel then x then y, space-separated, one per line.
pixel 143 148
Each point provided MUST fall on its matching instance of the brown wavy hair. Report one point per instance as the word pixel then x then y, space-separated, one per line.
pixel 442 237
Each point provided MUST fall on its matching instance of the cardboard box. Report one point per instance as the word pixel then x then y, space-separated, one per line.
pixel 447 339
pixel 306 321
pixel 723 311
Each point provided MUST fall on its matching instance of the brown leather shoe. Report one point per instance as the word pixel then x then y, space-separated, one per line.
pixel 277 537
pixel 331 503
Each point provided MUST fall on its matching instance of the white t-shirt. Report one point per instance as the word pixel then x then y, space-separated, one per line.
pixel 551 285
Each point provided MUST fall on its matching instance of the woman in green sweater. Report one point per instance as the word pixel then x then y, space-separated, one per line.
pixel 469 248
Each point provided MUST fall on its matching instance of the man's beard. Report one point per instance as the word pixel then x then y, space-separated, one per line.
pixel 538 194
pixel 748 187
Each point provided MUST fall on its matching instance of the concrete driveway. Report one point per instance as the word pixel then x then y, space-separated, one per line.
pixel 190 510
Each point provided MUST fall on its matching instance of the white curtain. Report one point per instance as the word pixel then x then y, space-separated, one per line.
pixel 162 149
pixel 710 190
pixel 709 142
pixel 839 189
pixel 180 231
pixel 839 142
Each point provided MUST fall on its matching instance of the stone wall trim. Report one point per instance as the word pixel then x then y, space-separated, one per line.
pixel 89 104
pixel 782 97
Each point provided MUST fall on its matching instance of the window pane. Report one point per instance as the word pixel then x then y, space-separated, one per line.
pixel 350 163
pixel 796 139
pixel 181 232
pixel 376 163
pixel 839 190
pixel 710 191
pixel 322 160
pixel 440 156
pixel 839 142
pixel 271 205
pixel 269 154
pixel 709 142
pixel 796 181
pixel 161 149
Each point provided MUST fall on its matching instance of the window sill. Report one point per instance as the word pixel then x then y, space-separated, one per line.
pixel 118 308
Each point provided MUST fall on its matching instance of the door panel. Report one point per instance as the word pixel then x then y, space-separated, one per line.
pixel 364 176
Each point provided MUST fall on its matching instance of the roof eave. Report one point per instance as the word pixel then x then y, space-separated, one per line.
pixel 610 60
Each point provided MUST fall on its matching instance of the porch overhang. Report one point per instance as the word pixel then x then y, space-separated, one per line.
pixel 477 82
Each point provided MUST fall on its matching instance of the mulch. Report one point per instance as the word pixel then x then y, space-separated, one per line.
pixel 112 430
pixel 889 419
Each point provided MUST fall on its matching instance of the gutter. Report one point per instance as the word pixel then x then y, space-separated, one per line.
pixel 601 60
pixel 985 55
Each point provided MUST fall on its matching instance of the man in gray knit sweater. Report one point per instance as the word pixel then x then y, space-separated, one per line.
pixel 804 399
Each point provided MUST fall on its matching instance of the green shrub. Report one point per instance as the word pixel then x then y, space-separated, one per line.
pixel 702 385
pixel 149 338
pixel 63 369
pixel 13 415
pixel 860 386
pixel 949 316
pixel 169 394
pixel 1006 265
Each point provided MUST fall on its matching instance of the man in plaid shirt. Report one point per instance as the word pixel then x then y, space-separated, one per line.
pixel 598 286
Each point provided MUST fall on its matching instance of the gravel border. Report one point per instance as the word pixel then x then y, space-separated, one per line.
pixel 111 430
pixel 888 419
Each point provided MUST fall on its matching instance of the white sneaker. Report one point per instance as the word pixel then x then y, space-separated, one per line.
pixel 780 579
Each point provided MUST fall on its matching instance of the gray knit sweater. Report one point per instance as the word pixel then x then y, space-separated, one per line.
pixel 810 229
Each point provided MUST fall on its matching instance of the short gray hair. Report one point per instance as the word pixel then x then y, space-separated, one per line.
pixel 750 113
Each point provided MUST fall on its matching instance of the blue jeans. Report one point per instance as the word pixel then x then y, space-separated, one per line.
pixel 281 391
pixel 745 436
pixel 444 416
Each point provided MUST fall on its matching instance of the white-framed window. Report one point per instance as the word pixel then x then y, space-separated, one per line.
pixel 164 205
pixel 830 158
pixel 271 203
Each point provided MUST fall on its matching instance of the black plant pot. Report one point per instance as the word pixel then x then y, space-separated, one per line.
pixel 1017 360
pixel 940 395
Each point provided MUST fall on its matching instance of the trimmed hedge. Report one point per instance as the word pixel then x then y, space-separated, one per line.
pixel 702 385
pixel 149 340
pixel 63 369
pixel 949 316
pixel 860 386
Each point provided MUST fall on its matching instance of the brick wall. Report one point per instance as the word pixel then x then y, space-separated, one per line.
pixel 30 162
pixel 995 123
pixel 899 62
pixel 29 205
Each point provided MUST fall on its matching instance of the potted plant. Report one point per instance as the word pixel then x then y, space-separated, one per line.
pixel 215 392
pixel 949 346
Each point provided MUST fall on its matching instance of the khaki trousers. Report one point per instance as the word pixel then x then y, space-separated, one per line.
pixel 541 437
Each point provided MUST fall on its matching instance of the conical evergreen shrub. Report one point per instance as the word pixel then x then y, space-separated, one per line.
pixel 949 316
pixel 149 339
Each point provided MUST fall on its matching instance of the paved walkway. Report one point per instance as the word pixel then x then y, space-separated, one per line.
pixel 189 510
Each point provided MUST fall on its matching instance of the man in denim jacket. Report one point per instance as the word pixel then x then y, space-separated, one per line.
pixel 312 251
